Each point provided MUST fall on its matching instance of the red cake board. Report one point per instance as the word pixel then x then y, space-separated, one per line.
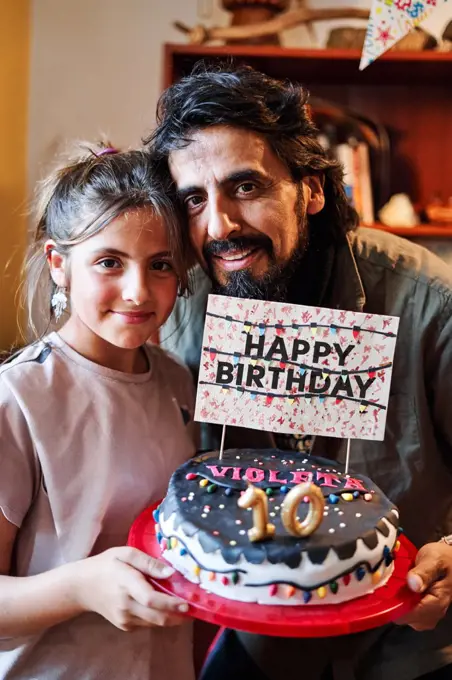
pixel 386 604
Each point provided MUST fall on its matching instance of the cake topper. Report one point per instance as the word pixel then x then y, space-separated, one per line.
pixel 302 492
pixel 262 529
pixel 295 369
pixel 256 498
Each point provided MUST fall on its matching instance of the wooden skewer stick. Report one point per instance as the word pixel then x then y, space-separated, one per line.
pixel 347 456
pixel 223 434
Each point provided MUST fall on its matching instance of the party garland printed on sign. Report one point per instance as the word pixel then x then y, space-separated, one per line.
pixel 295 369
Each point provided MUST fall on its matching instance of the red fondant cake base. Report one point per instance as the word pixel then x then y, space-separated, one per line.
pixel 386 604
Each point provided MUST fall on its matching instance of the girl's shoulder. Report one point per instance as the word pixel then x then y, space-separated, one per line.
pixel 24 359
pixel 170 368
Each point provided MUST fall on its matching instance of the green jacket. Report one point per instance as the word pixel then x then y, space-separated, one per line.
pixel 376 273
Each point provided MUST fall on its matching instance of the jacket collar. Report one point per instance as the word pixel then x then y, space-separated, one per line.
pixel 345 290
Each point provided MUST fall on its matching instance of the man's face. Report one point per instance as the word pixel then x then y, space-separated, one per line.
pixel 247 218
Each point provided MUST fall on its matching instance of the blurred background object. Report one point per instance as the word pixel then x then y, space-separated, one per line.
pixel 77 69
pixel 262 21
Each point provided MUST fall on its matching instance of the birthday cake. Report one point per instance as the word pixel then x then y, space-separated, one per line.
pixel 238 527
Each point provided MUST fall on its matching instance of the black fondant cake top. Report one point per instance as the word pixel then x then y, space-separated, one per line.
pixel 203 495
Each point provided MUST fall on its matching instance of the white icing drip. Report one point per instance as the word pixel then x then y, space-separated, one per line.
pixel 306 574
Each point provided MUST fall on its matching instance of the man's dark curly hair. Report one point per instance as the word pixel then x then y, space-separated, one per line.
pixel 275 110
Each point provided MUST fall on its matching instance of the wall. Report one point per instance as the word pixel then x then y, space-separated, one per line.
pixel 14 51
pixel 97 66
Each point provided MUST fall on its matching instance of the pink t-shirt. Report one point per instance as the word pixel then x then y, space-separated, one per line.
pixel 83 450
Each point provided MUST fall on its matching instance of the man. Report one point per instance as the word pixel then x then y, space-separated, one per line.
pixel 268 219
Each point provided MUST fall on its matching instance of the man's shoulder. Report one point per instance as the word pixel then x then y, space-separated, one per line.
pixel 400 261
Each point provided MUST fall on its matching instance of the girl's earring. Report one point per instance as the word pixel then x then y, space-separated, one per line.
pixel 59 302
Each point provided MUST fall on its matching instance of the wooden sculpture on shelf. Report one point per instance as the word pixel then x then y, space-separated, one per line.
pixel 261 21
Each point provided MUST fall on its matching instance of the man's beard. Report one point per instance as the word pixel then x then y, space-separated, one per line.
pixel 275 283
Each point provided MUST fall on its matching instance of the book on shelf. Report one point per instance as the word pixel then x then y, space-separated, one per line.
pixel 354 156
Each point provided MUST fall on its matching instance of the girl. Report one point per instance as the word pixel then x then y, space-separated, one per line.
pixel 93 421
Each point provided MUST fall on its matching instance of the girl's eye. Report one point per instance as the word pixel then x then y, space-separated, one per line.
pixel 109 263
pixel 162 266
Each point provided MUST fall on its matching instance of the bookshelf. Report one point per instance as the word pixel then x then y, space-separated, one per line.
pixel 409 93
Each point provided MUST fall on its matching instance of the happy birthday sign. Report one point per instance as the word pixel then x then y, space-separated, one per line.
pixel 295 369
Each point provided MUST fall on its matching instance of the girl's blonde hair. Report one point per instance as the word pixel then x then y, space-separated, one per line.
pixel 95 184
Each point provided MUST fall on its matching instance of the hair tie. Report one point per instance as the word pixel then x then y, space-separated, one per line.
pixel 109 149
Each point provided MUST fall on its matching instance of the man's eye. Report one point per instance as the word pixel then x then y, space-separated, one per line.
pixel 109 263
pixel 246 187
pixel 162 266
pixel 193 201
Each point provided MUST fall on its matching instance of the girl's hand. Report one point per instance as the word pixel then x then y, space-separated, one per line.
pixel 114 585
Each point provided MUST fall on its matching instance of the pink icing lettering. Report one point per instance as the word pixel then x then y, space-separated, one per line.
pixel 300 476
pixel 237 474
pixel 254 475
pixel 353 483
pixel 219 473
pixel 330 479
pixel 274 477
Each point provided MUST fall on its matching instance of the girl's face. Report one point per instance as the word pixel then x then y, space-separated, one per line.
pixel 122 288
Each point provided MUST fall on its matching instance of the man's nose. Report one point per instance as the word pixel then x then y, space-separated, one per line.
pixel 222 222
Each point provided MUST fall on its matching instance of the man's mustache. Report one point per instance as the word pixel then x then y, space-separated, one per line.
pixel 236 244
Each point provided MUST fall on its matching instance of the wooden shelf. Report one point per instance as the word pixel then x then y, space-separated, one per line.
pixel 422 231
pixel 318 66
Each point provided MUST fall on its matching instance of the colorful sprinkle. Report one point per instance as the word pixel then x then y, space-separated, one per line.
pixel 273 589
pixel 290 592
pixel 183 499
pixel 360 573
pixel 356 494
pixel 376 576
pixel 203 482
pixel 196 570
pixel 321 592
pixel 225 580
pixel 334 587
pixel 211 576
pixel 173 542
pixel 269 491
pixel 232 542
pixel 333 499
pixel 216 533
pixel 159 536
pixel 235 578
pixel 212 488
pixel 156 514
pixel 346 579
pixel 190 476
pixel 367 497
pixel 307 596
pixel 399 531
pixel 228 491
pixel 182 551
pixel 284 489
pixel 347 496
pixel 397 546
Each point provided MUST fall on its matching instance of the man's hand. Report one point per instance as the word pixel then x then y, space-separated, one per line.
pixel 431 576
